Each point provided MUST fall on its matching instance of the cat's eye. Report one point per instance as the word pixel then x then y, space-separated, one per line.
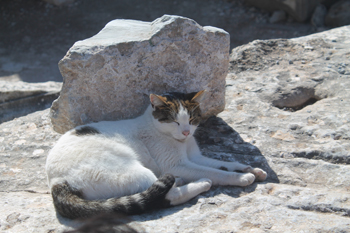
pixel 194 121
pixel 191 120
pixel 177 122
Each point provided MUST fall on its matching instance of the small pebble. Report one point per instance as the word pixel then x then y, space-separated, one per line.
pixel 341 70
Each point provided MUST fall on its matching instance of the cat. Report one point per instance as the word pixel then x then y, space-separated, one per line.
pixel 132 166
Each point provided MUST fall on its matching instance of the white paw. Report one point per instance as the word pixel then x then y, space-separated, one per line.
pixel 260 175
pixel 206 184
pixel 246 179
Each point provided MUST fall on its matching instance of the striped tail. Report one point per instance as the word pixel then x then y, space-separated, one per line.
pixel 69 201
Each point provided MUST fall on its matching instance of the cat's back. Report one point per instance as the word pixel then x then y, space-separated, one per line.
pixel 87 148
pixel 93 138
pixel 122 128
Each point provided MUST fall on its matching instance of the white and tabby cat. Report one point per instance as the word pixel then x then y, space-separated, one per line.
pixel 112 166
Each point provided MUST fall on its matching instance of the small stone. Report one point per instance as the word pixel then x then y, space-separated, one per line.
pixel 38 152
pixel 294 126
pixel 341 70
pixel 309 47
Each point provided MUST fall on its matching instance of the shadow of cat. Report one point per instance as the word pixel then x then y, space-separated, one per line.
pixel 218 140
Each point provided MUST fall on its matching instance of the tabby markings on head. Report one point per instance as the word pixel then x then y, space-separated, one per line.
pixel 85 130
pixel 170 104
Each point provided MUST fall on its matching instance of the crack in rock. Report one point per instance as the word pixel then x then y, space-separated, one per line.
pixel 323 208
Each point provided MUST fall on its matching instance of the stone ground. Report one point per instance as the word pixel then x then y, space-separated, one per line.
pixel 304 148
pixel 287 111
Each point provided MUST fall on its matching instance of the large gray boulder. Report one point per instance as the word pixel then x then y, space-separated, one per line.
pixel 111 75
pixel 302 144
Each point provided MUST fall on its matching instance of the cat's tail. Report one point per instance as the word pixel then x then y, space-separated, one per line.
pixel 69 202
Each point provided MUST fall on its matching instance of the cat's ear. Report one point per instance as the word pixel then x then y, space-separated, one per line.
pixel 199 97
pixel 157 100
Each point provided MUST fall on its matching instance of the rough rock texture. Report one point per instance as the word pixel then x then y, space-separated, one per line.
pixel 304 147
pixel 110 75
pixel 20 98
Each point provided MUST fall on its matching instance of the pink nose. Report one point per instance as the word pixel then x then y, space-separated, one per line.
pixel 186 132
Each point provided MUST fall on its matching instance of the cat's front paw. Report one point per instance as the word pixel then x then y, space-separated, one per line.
pixel 260 175
pixel 205 183
pixel 246 179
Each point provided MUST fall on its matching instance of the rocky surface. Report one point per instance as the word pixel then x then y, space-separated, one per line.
pixel 287 111
pixel 111 75
pixel 19 98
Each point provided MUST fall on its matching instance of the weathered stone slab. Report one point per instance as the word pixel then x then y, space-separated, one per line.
pixel 110 75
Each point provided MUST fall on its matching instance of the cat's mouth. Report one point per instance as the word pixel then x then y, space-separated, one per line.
pixel 181 140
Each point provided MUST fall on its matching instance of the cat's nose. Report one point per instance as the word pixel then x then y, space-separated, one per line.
pixel 186 132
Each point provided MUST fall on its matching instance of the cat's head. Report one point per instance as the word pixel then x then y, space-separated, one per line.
pixel 177 114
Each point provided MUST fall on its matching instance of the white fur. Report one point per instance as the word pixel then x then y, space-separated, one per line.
pixel 129 155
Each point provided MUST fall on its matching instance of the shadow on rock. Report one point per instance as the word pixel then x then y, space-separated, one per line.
pixel 219 141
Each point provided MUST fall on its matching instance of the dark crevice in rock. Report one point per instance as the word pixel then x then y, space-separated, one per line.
pixel 323 208
pixel 25 190
pixel 310 101
pixel 319 155
pixel 295 99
